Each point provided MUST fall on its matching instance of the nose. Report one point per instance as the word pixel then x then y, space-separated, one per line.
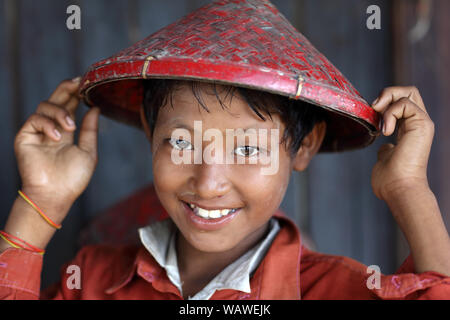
pixel 210 180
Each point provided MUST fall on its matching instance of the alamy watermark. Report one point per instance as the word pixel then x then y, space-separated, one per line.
pixel 374 281
pixel 374 20
pixel 74 280
pixel 73 21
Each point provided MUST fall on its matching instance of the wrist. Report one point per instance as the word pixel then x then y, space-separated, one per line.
pixel 48 202
pixel 4 245
pixel 405 188
pixel 412 204
pixel 27 224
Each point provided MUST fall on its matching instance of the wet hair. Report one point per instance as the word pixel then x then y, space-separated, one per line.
pixel 299 117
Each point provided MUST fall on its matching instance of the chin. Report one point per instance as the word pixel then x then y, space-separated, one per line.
pixel 210 243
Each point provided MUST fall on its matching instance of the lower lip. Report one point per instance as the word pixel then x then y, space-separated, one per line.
pixel 209 224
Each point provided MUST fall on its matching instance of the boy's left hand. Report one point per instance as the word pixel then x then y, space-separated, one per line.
pixel 403 165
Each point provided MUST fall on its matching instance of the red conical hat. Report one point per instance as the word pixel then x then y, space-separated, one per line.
pixel 246 43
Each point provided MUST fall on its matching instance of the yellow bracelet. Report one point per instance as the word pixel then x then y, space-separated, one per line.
pixel 49 221
pixel 9 242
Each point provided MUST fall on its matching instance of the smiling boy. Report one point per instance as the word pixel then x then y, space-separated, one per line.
pixel 225 237
pixel 212 244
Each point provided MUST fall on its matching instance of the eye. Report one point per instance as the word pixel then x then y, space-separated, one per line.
pixel 180 144
pixel 246 151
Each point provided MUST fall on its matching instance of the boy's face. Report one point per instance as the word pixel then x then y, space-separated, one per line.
pixel 219 184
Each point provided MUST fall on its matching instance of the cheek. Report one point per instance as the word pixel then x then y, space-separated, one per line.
pixel 167 176
pixel 265 191
pixel 262 194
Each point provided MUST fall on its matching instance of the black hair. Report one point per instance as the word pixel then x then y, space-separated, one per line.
pixel 299 117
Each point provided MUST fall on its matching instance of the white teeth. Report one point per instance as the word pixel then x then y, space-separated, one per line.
pixel 201 212
pixel 210 214
pixel 214 214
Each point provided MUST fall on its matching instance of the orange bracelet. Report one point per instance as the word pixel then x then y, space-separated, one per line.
pixel 49 221
pixel 25 245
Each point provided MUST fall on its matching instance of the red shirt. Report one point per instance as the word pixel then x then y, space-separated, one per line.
pixel 288 271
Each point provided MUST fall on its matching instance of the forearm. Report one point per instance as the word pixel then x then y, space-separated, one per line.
pixel 417 212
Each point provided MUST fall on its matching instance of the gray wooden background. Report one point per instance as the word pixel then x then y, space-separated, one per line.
pixel 332 202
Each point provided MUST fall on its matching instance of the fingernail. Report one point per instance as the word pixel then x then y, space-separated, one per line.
pixel 77 79
pixel 58 135
pixel 69 121
pixel 375 101
pixel 384 128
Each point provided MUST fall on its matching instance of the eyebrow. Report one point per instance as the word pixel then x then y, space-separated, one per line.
pixel 179 125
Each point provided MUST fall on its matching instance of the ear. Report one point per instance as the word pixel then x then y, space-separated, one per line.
pixel 145 124
pixel 310 146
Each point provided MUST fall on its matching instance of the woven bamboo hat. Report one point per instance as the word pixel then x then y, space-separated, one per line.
pixel 246 43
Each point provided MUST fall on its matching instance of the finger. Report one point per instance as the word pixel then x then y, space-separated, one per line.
pixel 414 117
pixel 61 115
pixel 41 124
pixel 89 132
pixel 72 106
pixel 415 132
pixel 65 91
pixel 392 94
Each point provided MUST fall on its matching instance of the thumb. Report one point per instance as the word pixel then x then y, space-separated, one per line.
pixel 89 132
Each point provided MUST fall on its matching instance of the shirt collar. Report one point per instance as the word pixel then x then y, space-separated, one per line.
pixel 281 265
pixel 160 240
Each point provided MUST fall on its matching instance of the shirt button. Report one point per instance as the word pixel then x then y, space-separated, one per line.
pixel 396 281
pixel 244 296
pixel 149 276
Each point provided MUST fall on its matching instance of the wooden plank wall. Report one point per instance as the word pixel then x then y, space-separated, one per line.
pixel 332 201
pixel 345 216
pixel 424 61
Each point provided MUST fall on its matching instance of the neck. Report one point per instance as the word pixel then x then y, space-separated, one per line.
pixel 197 268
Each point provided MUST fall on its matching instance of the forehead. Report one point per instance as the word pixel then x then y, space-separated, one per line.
pixel 214 103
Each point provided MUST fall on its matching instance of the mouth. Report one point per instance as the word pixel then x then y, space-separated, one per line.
pixel 209 219
pixel 210 214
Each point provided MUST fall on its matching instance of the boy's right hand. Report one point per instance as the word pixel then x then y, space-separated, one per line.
pixel 53 169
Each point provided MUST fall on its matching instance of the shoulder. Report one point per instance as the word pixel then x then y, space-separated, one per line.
pixel 333 277
pixel 117 225
pixel 94 269
pixel 320 262
pixel 102 265
pixel 100 256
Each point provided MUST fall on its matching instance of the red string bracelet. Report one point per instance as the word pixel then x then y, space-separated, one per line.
pixel 43 215
pixel 25 245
